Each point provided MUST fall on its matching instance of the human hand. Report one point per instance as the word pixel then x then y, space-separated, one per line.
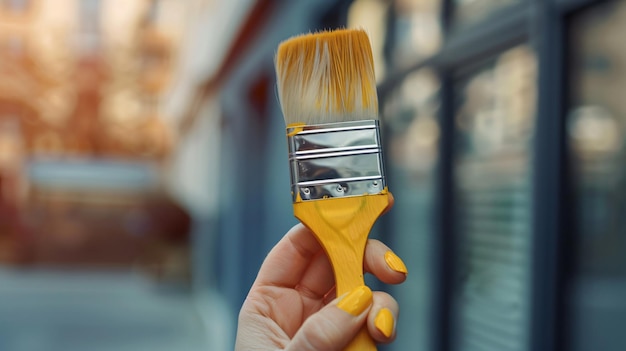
pixel 292 304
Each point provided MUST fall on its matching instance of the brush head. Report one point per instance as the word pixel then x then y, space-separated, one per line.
pixel 327 77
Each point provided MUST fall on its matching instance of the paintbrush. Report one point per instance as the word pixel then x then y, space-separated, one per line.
pixel 327 91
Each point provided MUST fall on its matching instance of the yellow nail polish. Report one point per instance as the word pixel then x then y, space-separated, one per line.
pixel 394 262
pixel 384 322
pixel 356 301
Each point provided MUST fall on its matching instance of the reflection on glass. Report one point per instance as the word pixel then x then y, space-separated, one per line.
pixel 417 31
pixel 413 136
pixel 472 11
pixel 412 119
pixel 494 127
pixel 596 131
pixel 371 15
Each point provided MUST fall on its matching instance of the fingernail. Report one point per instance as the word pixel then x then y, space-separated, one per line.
pixel 384 322
pixel 394 262
pixel 356 301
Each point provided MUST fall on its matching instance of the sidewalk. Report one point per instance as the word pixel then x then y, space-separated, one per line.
pixel 105 311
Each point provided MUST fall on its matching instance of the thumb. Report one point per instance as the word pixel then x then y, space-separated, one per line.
pixel 335 325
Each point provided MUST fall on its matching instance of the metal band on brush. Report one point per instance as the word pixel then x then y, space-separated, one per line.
pixel 335 160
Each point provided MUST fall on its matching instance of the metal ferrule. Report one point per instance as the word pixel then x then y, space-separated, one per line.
pixel 335 160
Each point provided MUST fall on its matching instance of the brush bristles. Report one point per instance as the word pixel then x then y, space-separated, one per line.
pixel 327 77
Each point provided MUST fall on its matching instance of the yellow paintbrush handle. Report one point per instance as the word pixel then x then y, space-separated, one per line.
pixel 342 226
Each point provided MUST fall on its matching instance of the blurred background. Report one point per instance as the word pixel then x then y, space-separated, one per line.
pixel 143 168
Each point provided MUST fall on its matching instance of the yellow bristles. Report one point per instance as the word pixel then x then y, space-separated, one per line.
pixel 327 77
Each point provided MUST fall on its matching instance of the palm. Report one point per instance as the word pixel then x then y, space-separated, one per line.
pixel 284 310
pixel 282 305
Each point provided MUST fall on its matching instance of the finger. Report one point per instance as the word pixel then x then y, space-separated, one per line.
pixel 384 263
pixel 381 320
pixel 289 259
pixel 330 295
pixel 318 278
pixel 335 325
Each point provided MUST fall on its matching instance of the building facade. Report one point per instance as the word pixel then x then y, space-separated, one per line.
pixel 503 128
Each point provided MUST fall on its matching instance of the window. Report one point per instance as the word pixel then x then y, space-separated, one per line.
pixel 416 31
pixel 595 131
pixel 493 192
pixel 412 130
